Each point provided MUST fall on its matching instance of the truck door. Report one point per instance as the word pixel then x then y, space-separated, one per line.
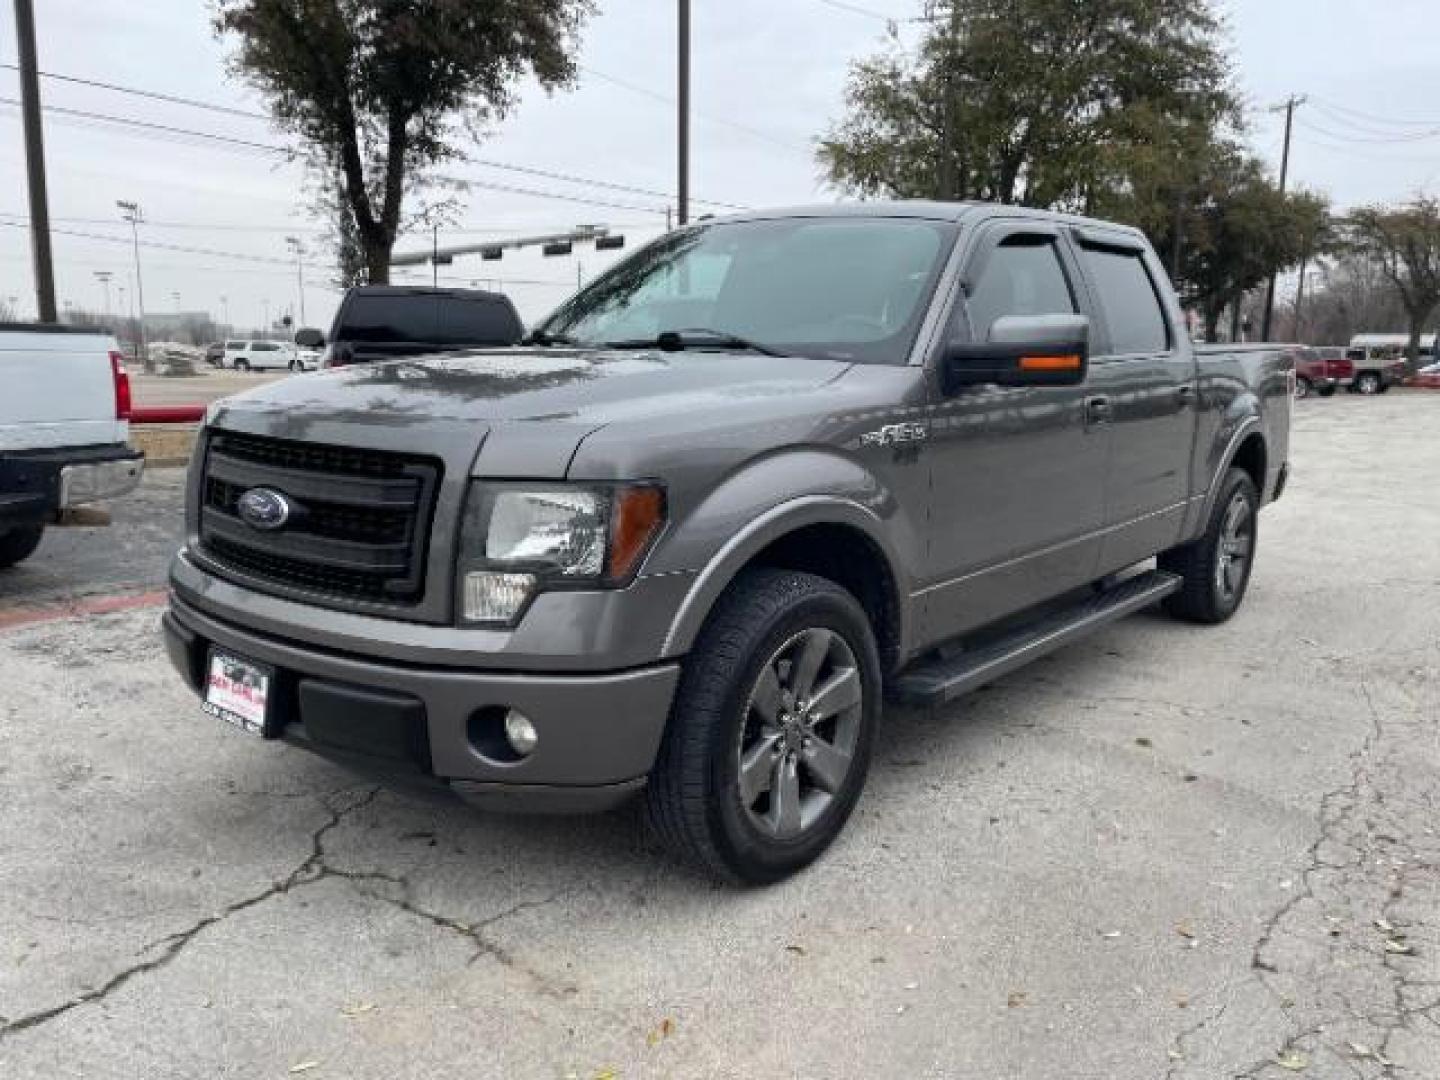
pixel 1143 370
pixel 1018 477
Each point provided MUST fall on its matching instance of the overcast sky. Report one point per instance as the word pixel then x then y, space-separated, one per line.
pixel 768 76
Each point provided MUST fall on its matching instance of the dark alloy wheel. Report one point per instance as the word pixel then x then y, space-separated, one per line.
pixel 770 734
pixel 802 722
pixel 1367 382
pixel 1215 568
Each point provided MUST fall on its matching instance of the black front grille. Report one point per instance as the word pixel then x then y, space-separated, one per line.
pixel 359 522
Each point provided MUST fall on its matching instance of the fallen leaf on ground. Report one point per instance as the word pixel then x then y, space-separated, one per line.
pixel 605 1074
pixel 1384 926
pixel 1112 934
pixel 359 1008
pixel 798 950
pixel 1400 948
pixel 1294 1061
pixel 661 1033
pixel 1143 741
pixel 1185 930
pixel 304 1066
pixel 1360 1050
pixel 1016 999
pixel 1182 1001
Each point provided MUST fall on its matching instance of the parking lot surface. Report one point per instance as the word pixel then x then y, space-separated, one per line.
pixel 1168 851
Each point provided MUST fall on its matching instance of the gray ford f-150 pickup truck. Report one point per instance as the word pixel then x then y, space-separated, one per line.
pixel 760 475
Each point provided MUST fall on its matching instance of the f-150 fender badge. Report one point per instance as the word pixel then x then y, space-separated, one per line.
pixel 895 435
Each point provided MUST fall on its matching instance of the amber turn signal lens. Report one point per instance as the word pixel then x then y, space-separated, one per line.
pixel 1050 363
pixel 638 514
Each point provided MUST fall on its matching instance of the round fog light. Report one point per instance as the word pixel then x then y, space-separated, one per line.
pixel 520 732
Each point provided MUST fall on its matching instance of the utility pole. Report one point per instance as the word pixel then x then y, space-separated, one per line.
pixel 435 256
pixel 132 213
pixel 103 276
pixel 947 115
pixel 1293 102
pixel 225 314
pixel 35 162
pixel 683 103
pixel 298 248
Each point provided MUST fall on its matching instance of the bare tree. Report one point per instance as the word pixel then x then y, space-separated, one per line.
pixel 1404 242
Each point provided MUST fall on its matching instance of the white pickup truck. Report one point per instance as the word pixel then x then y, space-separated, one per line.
pixel 64 426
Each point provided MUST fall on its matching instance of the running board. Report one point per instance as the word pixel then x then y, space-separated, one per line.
pixel 943 680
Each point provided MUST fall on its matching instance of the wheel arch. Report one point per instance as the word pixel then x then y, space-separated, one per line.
pixel 830 536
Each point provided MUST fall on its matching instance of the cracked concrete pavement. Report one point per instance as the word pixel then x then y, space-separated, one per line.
pixel 1168 851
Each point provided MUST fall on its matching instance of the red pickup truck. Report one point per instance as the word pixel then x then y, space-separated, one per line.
pixel 1321 370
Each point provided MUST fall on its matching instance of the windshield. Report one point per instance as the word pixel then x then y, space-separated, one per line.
pixel 851 289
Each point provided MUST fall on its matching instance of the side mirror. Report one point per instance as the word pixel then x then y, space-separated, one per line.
pixel 309 338
pixel 1023 350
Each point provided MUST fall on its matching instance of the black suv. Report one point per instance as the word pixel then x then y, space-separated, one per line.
pixel 382 322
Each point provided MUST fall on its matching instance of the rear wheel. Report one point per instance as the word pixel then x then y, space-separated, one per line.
pixel 770 735
pixel 1215 569
pixel 1302 388
pixel 19 544
pixel 242 365
pixel 1327 391
pixel 1367 382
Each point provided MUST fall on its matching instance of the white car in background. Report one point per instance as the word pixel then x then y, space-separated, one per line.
pixel 263 356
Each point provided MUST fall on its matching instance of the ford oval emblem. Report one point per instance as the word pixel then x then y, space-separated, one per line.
pixel 264 508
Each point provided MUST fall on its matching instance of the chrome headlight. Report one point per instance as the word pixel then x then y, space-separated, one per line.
pixel 520 539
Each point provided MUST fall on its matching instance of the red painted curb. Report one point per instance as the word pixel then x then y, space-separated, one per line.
pixel 167 414
pixel 95 605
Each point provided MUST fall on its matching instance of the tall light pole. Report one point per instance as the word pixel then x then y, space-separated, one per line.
pixel 132 213
pixel 299 250
pixel 683 102
pixel 35 161
pixel 265 322
pixel 225 313
pixel 103 276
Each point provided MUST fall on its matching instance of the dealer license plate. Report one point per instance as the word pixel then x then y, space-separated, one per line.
pixel 238 691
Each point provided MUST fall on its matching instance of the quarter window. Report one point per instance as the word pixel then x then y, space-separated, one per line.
pixel 1023 276
pixel 1128 298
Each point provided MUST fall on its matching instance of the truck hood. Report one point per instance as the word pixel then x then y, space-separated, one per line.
pixel 537 404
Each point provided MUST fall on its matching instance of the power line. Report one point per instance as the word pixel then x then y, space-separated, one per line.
pixel 666 99
pixel 248 144
pixel 145 125
pixel 1374 118
pixel 160 246
pixel 154 95
pixel 1345 136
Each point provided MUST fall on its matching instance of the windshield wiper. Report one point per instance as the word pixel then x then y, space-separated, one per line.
pixel 545 338
pixel 679 340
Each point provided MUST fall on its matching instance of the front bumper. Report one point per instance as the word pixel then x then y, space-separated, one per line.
pixel 598 733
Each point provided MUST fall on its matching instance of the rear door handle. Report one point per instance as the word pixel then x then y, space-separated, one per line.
pixel 1097 411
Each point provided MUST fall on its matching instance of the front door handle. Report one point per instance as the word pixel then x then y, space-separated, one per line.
pixel 1097 411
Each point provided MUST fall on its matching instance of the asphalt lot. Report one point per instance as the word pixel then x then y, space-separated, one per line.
pixel 1165 852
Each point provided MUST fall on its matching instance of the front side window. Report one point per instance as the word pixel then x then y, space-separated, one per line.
pixel 1127 296
pixel 843 288
pixel 1022 276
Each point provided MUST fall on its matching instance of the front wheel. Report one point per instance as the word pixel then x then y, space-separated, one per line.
pixel 1327 391
pixel 19 544
pixel 1302 388
pixel 1367 383
pixel 1215 569
pixel 242 365
pixel 770 736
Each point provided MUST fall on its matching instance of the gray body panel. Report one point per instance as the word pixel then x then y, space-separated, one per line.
pixel 992 500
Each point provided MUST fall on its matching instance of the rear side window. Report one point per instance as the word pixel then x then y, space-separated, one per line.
pixel 465 321
pixel 235 346
pixel 1023 276
pixel 1127 296
pixel 261 346
pixel 389 318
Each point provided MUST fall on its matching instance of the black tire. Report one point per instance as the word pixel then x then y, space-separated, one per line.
pixel 1203 596
pixel 19 544
pixel 1327 391
pixel 694 800
pixel 1303 388
pixel 1367 382
pixel 242 365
